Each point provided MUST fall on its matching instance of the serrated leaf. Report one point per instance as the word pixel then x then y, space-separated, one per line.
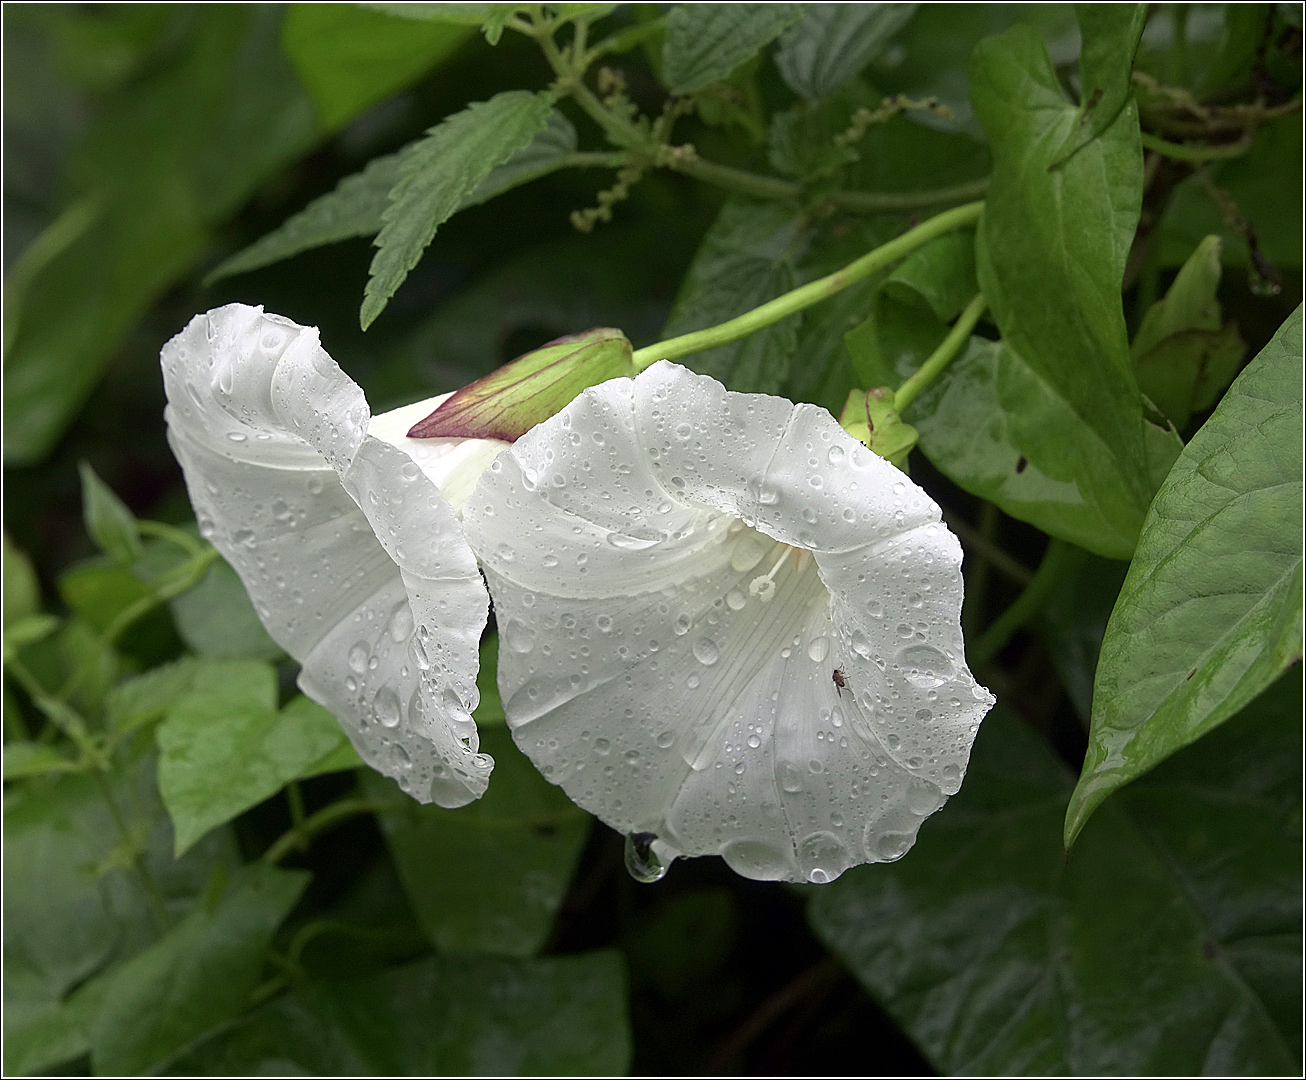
pixel 356 205
pixel 1169 943
pixel 1211 611
pixel 1051 252
pixel 200 975
pixel 437 174
pixel 442 1016
pixel 511 400
pixel 22 591
pixel 349 58
pixel 1111 34
pixel 1182 355
pixel 488 877
pixel 108 521
pixel 748 257
pixel 833 42
pixel 706 42
pixel 224 747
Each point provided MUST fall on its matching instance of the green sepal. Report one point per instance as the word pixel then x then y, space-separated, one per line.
pixel 869 417
pixel 507 403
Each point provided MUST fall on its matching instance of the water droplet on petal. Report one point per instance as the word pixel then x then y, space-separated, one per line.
pixel 818 648
pixel 924 666
pixel 357 658
pixel 647 857
pixel 706 652
pixel 385 707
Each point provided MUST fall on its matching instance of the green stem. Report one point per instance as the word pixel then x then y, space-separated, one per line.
pixel 746 183
pixel 1059 557
pixel 173 535
pixel 941 357
pixel 324 819
pixel 874 202
pixel 807 295
pixel 1196 154
pixel 295 797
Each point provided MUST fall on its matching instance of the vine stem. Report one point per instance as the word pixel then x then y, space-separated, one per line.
pixel 811 293
pixel 325 818
pixel 1059 557
pixel 1196 154
pixel 941 357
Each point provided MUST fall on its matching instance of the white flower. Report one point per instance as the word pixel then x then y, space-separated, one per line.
pixel 335 522
pixel 727 627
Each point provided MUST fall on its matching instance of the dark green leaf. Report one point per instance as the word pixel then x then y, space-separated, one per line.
pixel 804 141
pixel 941 275
pixel 833 42
pixel 490 710
pixel 108 522
pixel 488 877
pixel 1182 355
pixel 996 426
pixel 72 905
pixel 356 206
pixel 217 620
pixel 1211 612
pixel 22 592
pixel 349 58
pixel 687 938
pixel 1111 34
pixel 1072 624
pixel 1168 943
pixel 706 42
pixel 748 257
pixel 454 1016
pixel 1051 251
pixel 437 174
pixel 196 977
pixel 224 747
pixel 171 153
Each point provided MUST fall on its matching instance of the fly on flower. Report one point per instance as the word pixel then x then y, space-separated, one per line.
pixel 345 533
pixel 676 571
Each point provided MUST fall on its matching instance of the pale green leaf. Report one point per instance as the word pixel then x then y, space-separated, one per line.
pixel 108 521
pixel 22 591
pixel 706 42
pixel 438 174
pixel 1111 34
pixel 224 747
pixel 1211 612
pixel 34 759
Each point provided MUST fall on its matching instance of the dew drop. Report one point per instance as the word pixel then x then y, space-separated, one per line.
pixel 647 858
pixel 385 707
pixel 818 648
pixel 924 666
pixel 706 652
pixel 790 778
pixel 357 658
pixel 735 600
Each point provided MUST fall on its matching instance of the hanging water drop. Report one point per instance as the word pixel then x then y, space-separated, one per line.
pixel 647 857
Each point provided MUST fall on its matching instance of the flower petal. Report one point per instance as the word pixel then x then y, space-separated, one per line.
pixel 354 560
pixel 683 577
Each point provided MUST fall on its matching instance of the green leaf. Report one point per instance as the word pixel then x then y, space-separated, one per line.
pixel 1051 251
pixel 526 391
pixel 224 747
pixel 29 631
pixel 999 428
pixel 685 940
pixel 342 759
pixel 488 877
pixel 490 710
pixel 443 1016
pixel 940 276
pixel 72 905
pixel 748 257
pixel 99 593
pixel 1182 355
pixel 833 42
pixel 1072 624
pixel 22 591
pixel 1111 35
pixel 146 698
pixel 1211 611
pixel 108 521
pixel 171 153
pixel 706 42
pixel 349 58
pixel 217 620
pixel 1168 943
pixel 197 976
pixel 356 205
pixel 34 759
pixel 438 173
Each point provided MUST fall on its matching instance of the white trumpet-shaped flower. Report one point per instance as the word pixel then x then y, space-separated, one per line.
pixel 727 627
pixel 345 534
